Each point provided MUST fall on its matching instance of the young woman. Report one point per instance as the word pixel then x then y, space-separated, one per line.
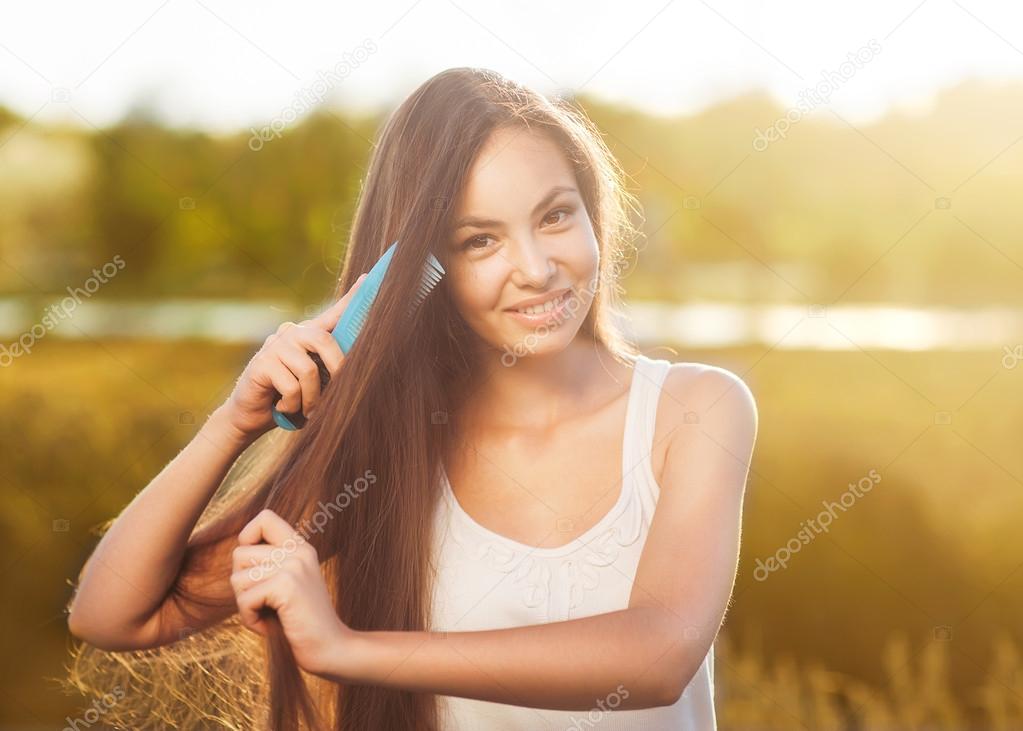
pixel 499 515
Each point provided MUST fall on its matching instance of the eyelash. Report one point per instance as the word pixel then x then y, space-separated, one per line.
pixel 567 210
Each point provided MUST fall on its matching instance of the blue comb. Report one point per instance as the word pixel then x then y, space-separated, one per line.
pixel 355 315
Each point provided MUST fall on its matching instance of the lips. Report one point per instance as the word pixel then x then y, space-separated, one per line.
pixel 537 305
pixel 553 315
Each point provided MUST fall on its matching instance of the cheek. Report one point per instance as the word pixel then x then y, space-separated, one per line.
pixel 476 287
pixel 585 252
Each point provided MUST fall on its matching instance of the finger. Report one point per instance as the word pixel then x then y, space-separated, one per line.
pixel 251 601
pixel 270 527
pixel 327 319
pixel 252 564
pixel 323 344
pixel 246 578
pixel 261 554
pixel 297 360
pixel 285 383
pixel 281 329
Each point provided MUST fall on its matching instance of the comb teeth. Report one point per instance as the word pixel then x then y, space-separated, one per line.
pixel 432 274
pixel 361 313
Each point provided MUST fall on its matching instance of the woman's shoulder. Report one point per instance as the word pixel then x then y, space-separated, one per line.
pixel 700 401
pixel 692 387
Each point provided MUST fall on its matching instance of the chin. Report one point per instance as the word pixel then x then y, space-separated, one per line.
pixel 540 342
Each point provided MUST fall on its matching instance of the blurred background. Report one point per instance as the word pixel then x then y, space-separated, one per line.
pixel 832 198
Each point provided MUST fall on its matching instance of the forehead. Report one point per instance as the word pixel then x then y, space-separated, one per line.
pixel 513 169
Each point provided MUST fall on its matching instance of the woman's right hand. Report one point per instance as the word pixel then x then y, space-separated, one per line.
pixel 283 367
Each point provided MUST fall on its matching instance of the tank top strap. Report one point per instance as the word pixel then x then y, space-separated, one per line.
pixel 648 379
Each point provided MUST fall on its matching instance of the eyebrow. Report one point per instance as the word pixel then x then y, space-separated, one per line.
pixel 485 222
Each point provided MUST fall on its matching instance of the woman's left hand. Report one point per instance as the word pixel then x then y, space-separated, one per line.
pixel 284 574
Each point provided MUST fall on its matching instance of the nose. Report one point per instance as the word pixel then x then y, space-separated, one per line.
pixel 533 267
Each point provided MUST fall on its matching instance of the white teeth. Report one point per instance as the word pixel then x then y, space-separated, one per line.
pixel 545 307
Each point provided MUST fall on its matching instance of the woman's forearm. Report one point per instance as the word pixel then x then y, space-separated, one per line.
pixel 569 665
pixel 126 577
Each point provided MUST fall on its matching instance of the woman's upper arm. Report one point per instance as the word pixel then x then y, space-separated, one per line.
pixel 689 561
pixel 202 596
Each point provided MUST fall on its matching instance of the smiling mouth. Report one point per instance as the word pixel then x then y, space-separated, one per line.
pixel 548 306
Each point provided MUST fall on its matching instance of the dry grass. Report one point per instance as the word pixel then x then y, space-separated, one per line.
pixel 767 695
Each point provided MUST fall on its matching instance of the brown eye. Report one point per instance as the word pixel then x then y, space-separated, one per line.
pixel 564 211
pixel 468 243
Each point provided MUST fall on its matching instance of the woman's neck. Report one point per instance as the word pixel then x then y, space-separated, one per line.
pixel 538 392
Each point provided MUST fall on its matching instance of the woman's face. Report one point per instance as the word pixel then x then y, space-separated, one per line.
pixel 522 233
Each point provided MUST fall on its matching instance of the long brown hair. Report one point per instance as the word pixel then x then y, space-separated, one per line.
pixel 385 421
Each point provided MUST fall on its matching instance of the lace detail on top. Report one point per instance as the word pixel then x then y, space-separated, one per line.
pixel 573 568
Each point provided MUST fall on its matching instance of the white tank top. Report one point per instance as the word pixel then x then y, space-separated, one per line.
pixel 487 581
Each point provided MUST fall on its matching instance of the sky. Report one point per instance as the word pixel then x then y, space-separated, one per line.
pixel 224 66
